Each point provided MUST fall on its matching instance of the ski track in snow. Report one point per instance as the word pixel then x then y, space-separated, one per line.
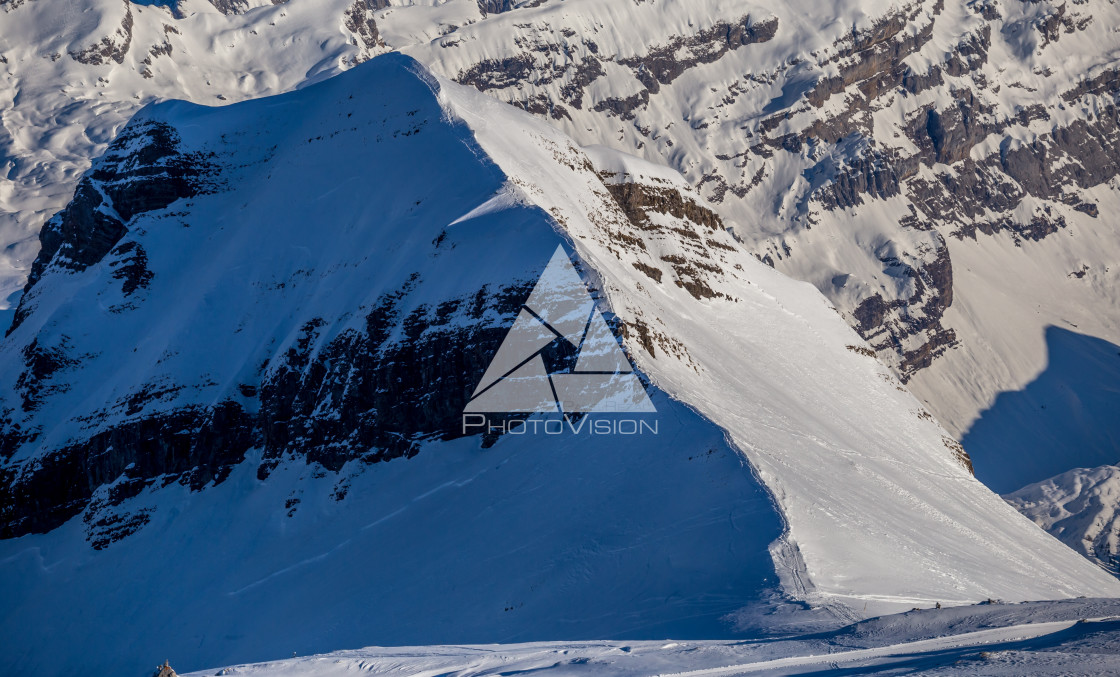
pixel 984 639
pixel 969 639
pixel 343 544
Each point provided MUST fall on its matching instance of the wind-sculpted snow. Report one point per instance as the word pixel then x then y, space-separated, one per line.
pixel 259 424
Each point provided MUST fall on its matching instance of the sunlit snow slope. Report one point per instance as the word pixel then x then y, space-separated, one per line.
pixel 238 374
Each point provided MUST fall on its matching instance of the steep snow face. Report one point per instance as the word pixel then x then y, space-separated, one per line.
pixel 831 432
pixel 1079 508
pixel 572 536
pixel 239 371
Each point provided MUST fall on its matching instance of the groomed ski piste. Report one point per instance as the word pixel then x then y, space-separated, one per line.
pixel 1071 637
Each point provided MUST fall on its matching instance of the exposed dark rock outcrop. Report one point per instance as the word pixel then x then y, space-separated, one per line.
pixel 894 326
pixel 874 174
pixel 191 445
pixel 369 393
pixel 494 6
pixel 142 171
pixel 111 47
pixel 697 272
pixel 1107 82
pixel 664 63
pixel 383 397
pixel 132 267
pixel 874 59
pixel 636 199
pixel 359 20
pixel 977 196
pixel 362 397
pixel 538 64
pixel 230 6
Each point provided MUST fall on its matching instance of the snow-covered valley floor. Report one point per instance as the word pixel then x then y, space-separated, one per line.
pixel 1068 637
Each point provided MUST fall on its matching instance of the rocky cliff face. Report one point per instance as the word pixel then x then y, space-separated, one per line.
pixel 394 376
pixel 144 170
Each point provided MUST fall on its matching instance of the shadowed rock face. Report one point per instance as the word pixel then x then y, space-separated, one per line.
pixel 194 446
pixel 383 397
pixel 396 373
pixel 370 394
pixel 494 6
pixel 142 171
pixel 363 397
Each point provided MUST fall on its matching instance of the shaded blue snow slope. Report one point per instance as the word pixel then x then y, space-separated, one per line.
pixel 1068 417
pixel 332 197
pixel 571 537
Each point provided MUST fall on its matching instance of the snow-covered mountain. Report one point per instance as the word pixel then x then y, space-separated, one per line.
pixel 944 171
pixel 1079 508
pixel 232 400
